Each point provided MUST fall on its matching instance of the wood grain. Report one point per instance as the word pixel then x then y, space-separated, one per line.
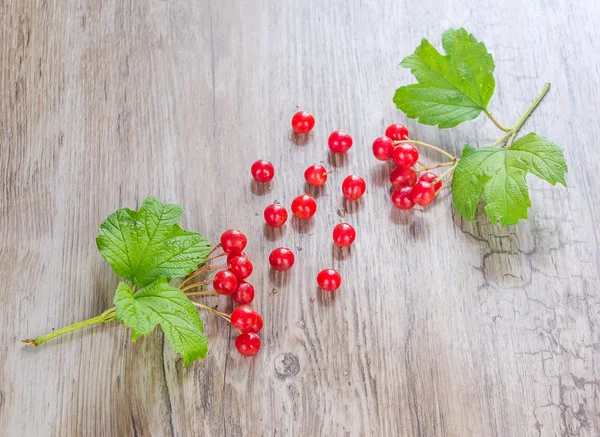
pixel 442 327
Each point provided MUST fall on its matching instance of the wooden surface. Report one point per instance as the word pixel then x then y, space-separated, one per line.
pixel 441 328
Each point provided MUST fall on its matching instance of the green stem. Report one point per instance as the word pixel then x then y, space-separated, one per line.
pixel 105 317
pixel 498 125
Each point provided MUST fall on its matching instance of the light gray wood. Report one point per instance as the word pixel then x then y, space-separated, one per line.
pixel 441 328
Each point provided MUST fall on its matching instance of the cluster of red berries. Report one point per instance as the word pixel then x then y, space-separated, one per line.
pixel 304 206
pixel 409 187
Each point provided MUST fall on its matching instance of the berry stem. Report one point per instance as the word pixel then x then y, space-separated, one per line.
pixel 433 167
pixel 194 285
pixel 107 316
pixel 201 293
pixel 420 143
pixel 443 175
pixel 498 125
pixel 199 272
pixel 214 310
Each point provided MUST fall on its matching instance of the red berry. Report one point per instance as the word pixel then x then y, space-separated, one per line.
pixel 339 141
pixel 403 177
pixel 281 259
pixel 406 155
pixel 247 343
pixel 353 187
pixel 422 193
pixel 262 171
pixel 233 240
pixel 315 175
pixel 383 148
pixel 275 215
pixel 243 318
pixel 258 325
pixel 240 266
pixel 225 282
pixel 396 132
pixel 304 206
pixel 232 255
pixel 344 235
pixel 401 198
pixel 303 122
pixel 430 177
pixel 244 293
pixel 329 280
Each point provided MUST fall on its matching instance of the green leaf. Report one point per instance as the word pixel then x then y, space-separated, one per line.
pixel 452 88
pixel 145 244
pixel 500 175
pixel 164 304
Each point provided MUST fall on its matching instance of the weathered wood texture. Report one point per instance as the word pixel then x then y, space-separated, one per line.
pixel 442 328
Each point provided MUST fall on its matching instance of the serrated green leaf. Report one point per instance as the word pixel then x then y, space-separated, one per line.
pixel 452 88
pixel 500 175
pixel 145 244
pixel 163 304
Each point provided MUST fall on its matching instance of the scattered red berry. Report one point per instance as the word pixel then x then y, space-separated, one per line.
pixel 339 142
pixel 262 171
pixel 422 193
pixel 244 294
pixel 225 282
pixel 241 267
pixel 430 177
pixel 383 148
pixel 344 235
pixel 303 122
pixel 396 132
pixel 247 344
pixel 403 177
pixel 406 155
pixel 233 240
pixel 401 198
pixel 281 259
pixel 353 187
pixel 329 280
pixel 258 325
pixel 304 206
pixel 243 318
pixel 275 215
pixel 315 175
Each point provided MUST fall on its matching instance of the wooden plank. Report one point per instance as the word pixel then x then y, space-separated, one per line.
pixel 442 327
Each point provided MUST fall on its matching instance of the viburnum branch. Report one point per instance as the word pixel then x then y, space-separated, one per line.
pixel 199 272
pixel 214 310
pixel 445 174
pixel 194 285
pixel 201 293
pixel 105 317
pixel 515 129
pixel 433 167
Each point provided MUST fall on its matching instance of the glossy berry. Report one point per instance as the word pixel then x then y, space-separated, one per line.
pixel 275 215
pixel 401 198
pixel 303 122
pixel 329 280
pixel 353 187
pixel 258 325
pixel 406 155
pixel 241 267
pixel 233 240
pixel 315 175
pixel 430 177
pixel 403 177
pixel 244 293
pixel 383 148
pixel 262 171
pixel 304 206
pixel 232 255
pixel 225 282
pixel 281 259
pixel 247 344
pixel 422 193
pixel 243 318
pixel 339 141
pixel 396 132
pixel 344 235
